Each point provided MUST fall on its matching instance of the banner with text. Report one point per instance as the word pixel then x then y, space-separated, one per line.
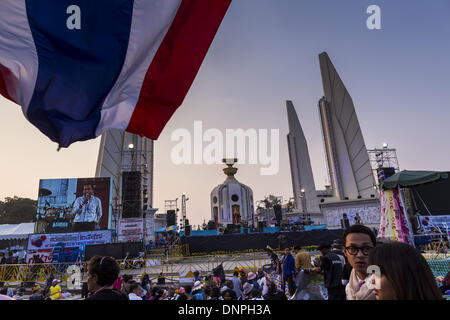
pixel 131 230
pixel 49 241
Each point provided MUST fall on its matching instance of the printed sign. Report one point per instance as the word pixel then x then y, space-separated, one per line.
pixel 429 222
pixel 45 255
pixel 49 241
pixel 131 230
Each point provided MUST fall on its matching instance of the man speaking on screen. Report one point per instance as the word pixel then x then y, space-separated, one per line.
pixel 87 210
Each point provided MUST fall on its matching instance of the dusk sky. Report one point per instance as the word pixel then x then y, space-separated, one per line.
pixel 266 52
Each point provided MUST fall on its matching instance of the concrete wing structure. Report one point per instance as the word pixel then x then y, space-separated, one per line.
pixel 301 171
pixel 348 162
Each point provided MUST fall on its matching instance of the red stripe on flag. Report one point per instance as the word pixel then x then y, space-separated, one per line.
pixel 176 64
pixel 4 72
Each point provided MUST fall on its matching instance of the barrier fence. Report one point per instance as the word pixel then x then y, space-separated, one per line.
pixel 170 267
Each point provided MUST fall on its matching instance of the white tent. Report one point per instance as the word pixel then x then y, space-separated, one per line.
pixel 16 231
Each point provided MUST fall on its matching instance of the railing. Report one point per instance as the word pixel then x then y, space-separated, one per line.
pixel 170 267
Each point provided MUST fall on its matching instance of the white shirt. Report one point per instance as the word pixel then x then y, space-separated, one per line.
pixel 89 212
pixel 263 283
pixel 133 296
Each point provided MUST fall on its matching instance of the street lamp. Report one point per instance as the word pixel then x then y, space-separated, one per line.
pixel 184 198
pixel 302 195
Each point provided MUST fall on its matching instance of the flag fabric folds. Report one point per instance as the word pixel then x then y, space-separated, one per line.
pixel 80 68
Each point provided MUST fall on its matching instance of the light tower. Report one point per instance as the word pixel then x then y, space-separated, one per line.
pixel 384 162
pixel 184 198
pixel 120 154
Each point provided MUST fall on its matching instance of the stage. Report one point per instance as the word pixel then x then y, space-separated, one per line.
pixel 258 241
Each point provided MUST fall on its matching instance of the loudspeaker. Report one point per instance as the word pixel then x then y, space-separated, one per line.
pixel 131 194
pixel 384 173
pixel 211 225
pixel 278 213
pixel 171 218
pixel 345 223
pixel 261 226
pixel 187 230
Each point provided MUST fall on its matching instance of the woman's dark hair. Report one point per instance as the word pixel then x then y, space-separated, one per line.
pixel 187 289
pixel 215 293
pixel 106 269
pixel 182 297
pixel 406 270
pixel 127 278
pixel 145 280
pixel 272 288
pixel 157 293
pixel 359 228
pixel 134 286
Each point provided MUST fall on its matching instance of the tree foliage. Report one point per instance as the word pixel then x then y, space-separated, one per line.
pixel 17 210
pixel 269 202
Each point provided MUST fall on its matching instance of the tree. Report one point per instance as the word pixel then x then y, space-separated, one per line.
pixel 270 201
pixel 290 206
pixel 17 210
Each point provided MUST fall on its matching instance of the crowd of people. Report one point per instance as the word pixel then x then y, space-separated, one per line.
pixel 340 273
pixel 11 257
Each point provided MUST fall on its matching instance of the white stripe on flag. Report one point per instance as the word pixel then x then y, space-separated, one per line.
pixel 150 23
pixel 18 51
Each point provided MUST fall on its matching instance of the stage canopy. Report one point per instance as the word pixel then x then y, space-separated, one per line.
pixel 408 178
pixel 16 231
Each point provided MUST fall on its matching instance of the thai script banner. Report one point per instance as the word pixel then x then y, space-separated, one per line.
pixel 49 241
pixel 131 229
pixel 429 222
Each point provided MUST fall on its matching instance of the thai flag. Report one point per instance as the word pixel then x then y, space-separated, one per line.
pixel 81 67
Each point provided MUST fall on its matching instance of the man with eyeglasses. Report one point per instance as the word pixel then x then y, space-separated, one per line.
pixel 359 240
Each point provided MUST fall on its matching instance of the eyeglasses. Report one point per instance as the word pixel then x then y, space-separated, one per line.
pixel 354 250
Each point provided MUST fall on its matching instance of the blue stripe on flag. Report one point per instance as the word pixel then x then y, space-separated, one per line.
pixel 78 67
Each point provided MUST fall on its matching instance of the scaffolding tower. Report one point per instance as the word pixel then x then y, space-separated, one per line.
pixel 383 158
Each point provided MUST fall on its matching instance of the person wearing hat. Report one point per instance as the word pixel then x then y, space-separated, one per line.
pixel 55 290
pixel 252 279
pixel 332 267
pixel 37 293
pixel 197 291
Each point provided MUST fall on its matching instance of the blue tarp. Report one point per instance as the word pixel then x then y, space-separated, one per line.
pixel 165 229
pixel 316 227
